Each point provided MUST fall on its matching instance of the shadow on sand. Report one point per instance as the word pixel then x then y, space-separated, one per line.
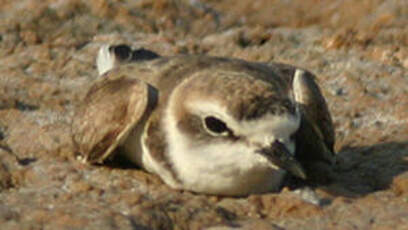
pixel 366 169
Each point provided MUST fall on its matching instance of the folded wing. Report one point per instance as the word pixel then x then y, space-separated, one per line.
pixel 315 138
pixel 109 111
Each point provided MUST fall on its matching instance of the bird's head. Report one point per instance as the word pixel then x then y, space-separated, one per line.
pixel 230 120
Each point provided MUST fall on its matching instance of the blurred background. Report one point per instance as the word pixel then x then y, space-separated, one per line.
pixel 343 23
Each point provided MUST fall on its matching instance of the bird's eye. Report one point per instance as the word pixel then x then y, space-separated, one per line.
pixel 122 52
pixel 215 126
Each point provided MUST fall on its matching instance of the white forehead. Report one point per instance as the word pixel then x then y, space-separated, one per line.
pixel 105 61
pixel 268 126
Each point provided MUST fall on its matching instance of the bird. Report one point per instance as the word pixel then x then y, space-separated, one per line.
pixel 210 125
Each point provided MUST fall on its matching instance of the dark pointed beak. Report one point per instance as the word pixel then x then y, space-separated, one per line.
pixel 279 155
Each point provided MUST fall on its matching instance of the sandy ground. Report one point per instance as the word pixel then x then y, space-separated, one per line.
pixel 358 50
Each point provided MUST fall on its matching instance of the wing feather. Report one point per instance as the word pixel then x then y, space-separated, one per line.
pixel 103 120
pixel 315 137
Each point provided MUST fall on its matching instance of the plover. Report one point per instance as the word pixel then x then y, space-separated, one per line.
pixel 206 124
